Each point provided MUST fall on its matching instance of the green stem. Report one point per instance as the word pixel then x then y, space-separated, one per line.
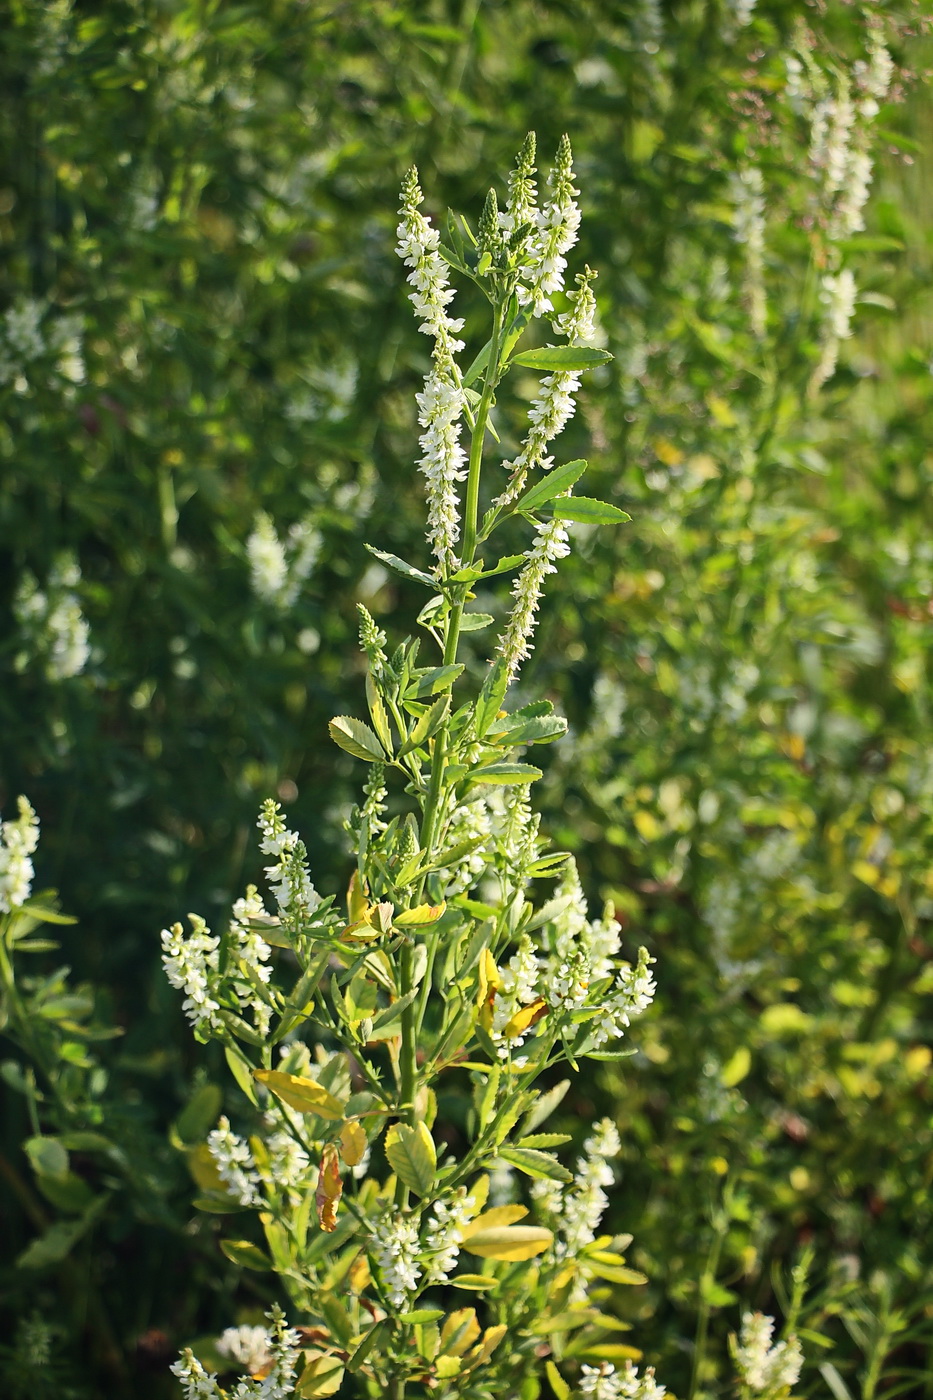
pixel 706 1282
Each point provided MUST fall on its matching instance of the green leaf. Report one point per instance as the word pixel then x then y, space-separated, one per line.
pixel 389 1020
pixel 45 913
pixel 356 738
pixel 427 726
pixel 475 622
pixel 475 1283
pixel 505 774
pixel 378 713
pixel 556 1381
pixel 542 729
pixel 489 701
pixel 545 1106
pixel 199 1114
pixel 540 1165
pixel 412 1156
pixel 545 1140
pixel 736 1067
pixel 400 567
pixel 561 358
pixel 551 485
pixel 430 682
pixel 421 1315
pixel 367 1342
pixel 247 1255
pixel 588 511
pixel 46 1155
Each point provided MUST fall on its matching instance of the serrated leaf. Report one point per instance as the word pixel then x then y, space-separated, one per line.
pixel 366 1345
pixel 491 696
pixel 556 1381
pixel 475 622
pixel 509 1242
pixel 400 567
pixel 356 738
pixel 545 1140
pixel 378 713
pixel 545 1106
pixel 534 1163
pixel 558 480
pixel 587 511
pixel 299 1092
pixel 427 726
pixel 323 1375
pixel 412 1156
pixel 433 680
pixel 246 1255
pixel 504 774
pixel 561 358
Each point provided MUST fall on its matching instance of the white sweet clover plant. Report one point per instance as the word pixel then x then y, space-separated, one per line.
pixel 465 966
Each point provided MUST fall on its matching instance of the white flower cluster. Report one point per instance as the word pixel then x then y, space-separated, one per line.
pixel 23 340
pixel 577 1209
pixel 471 821
pixel 550 544
pixel 554 232
pixel 289 876
pixel 396 1247
pixel 604 1382
pixel 748 224
pixel 192 966
pixel 52 621
pixel 444 1234
pixel 580 951
pixel 18 840
pixel 247 1346
pixel 518 988
pixel 249 953
pixel 283 1346
pixel 235 1164
pixel 837 293
pixel 442 402
pixel 278 570
pixel 552 410
pixel 767 1371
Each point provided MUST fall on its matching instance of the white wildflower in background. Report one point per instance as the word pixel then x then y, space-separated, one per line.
pixel 742 11
pixel 289 876
pixel 277 571
pixel 21 339
pixel 604 1382
pixel 552 410
pixel 767 1371
pixel 248 1346
pixel 191 966
pixel 19 838
pixel 748 223
pixel 284 1348
pixel 52 622
pixel 550 544
pixel 517 988
pixel 555 232
pixel 837 293
pixel 396 1247
pixel 235 1164
pixel 648 23
pixel 631 994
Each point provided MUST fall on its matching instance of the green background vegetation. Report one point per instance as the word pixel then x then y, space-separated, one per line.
pixel 211 188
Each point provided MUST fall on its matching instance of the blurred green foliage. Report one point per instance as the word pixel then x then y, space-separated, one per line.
pixel 197 210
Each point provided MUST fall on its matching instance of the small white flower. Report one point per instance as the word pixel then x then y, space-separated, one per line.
pixel 289 876
pixel 191 965
pixel 247 1346
pixel 550 543
pixel 555 232
pixel 767 1370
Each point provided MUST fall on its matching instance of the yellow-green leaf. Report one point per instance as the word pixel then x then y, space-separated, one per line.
pixel 412 1156
pixel 736 1067
pixel 322 1376
pixel 556 1381
pixel 299 1092
pixel 421 914
pixel 247 1255
pixel 352 1143
pixel 499 1215
pixel 510 1242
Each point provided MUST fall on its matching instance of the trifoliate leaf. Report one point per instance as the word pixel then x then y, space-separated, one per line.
pixel 301 1093
pixel 412 1156
pixel 556 481
pixel 355 737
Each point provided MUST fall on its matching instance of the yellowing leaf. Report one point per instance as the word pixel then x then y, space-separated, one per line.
pixel 359 1275
pixel 525 1018
pixel 329 1188
pixel 421 914
pixel 357 900
pixel 474 1283
pixel 412 1156
pixel 460 1331
pixel 246 1254
pixel 322 1376
pixel 299 1092
pixel 447 1367
pixel 352 1143
pixel 499 1215
pixel 491 1339
pixel 510 1242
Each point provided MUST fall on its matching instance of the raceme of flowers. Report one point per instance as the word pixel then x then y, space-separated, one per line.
pixel 283 1347
pixel 278 569
pixel 767 1370
pixel 19 838
pixel 52 623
